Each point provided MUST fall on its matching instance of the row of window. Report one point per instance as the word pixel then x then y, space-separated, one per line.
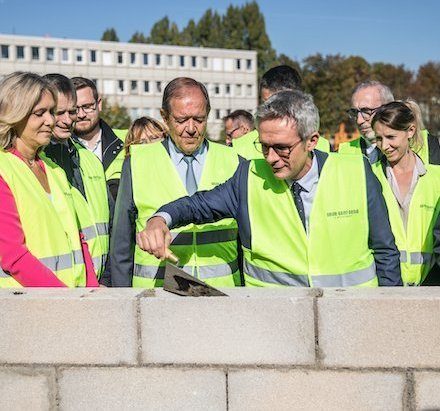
pixel 147 86
pixel 108 58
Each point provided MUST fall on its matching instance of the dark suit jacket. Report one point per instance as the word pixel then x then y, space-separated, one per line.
pixel 230 200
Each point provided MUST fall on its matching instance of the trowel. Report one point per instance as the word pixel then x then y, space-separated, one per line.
pixel 179 282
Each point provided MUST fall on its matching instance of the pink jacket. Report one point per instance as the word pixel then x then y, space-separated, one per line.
pixel 16 259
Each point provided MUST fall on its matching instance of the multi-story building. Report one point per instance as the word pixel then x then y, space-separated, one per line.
pixel 134 75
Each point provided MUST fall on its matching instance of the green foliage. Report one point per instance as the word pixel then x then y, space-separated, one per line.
pixel 164 32
pixel 138 37
pixel 109 35
pixel 114 115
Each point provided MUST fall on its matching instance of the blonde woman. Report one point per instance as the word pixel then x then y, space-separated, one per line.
pixel 410 187
pixel 144 130
pixel 40 244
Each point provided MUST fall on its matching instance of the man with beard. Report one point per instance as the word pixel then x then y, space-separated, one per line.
pixel 366 99
pixel 96 135
pixel 84 173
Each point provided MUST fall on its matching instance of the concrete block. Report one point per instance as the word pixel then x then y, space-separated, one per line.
pixel 24 389
pixel 314 390
pixel 427 391
pixel 142 389
pixel 240 329
pixel 380 327
pixel 68 326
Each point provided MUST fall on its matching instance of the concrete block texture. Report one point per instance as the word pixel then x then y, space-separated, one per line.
pixel 142 389
pixel 228 330
pixel 68 327
pixel 427 393
pixel 314 390
pixel 380 328
pixel 25 389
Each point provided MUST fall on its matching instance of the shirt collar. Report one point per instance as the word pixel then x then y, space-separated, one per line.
pixel 309 179
pixel 178 155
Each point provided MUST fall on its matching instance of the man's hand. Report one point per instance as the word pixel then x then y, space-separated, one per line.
pixel 155 238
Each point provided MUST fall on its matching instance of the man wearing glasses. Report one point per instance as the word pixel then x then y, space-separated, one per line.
pixel 366 99
pixel 96 135
pixel 155 174
pixel 237 124
pixel 84 172
pixel 305 217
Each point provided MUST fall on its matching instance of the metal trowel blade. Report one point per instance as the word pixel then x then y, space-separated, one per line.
pixel 179 282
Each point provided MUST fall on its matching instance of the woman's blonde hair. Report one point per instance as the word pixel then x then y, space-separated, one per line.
pixel 400 115
pixel 152 127
pixel 20 92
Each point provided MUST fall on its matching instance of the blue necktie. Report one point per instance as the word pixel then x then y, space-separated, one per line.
pixel 191 183
pixel 296 190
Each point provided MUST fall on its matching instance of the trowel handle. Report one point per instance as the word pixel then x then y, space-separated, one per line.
pixel 170 256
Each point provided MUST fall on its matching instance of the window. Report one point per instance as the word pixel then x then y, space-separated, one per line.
pixel 64 55
pixel 93 56
pixel 5 51
pixel 217 114
pixel 120 57
pixel 238 90
pixel 158 58
pixel 217 64
pixel 238 64
pixel 120 86
pixel 35 53
pixel 49 53
pixel 205 62
pixel 107 58
pixel 216 89
pixel 145 57
pixel 182 61
pixel 227 89
pixel 107 87
pixel 170 60
pixel 158 86
pixel 193 61
pixel 132 58
pixel 79 55
pixel 249 64
pixel 133 86
pixel 19 52
pixel 228 65
pixel 249 90
pixel 146 86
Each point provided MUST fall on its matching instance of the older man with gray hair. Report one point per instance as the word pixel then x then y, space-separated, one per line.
pixel 305 219
pixel 367 97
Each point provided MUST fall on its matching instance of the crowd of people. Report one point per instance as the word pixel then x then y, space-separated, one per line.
pixel 85 205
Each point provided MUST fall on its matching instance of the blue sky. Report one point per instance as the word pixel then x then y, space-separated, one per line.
pixel 398 32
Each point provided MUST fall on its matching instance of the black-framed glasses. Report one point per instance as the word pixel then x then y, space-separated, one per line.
pixel 88 108
pixel 282 150
pixel 365 112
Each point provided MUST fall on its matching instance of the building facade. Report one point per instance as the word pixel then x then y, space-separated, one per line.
pixel 134 75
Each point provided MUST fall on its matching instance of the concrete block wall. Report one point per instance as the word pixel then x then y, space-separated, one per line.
pixel 258 349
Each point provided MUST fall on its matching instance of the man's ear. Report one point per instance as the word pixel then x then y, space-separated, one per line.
pixel 99 103
pixel 312 141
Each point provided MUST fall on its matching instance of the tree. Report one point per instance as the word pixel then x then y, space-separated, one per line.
pixel 115 115
pixel 209 31
pixel 109 35
pixel 426 91
pixel 397 78
pixel 330 80
pixel 138 37
pixel 164 32
pixel 188 35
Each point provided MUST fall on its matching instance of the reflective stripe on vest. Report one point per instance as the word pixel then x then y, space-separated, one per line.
pixel 204 237
pixel 273 277
pixel 351 279
pixel 205 272
pixel 420 258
